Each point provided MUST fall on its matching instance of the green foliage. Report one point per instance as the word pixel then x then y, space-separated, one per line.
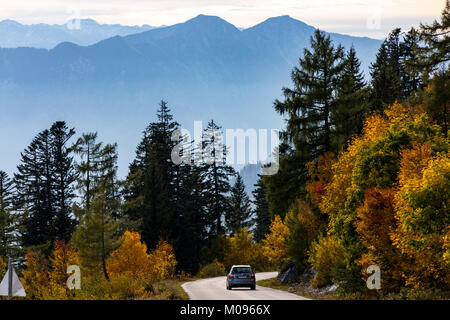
pixel 96 235
pixel 262 214
pixel 239 213
pixel 213 269
pixel 43 184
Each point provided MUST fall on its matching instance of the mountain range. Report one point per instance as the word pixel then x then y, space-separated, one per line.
pixel 83 32
pixel 205 67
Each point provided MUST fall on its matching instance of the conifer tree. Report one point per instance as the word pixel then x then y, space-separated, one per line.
pixel 309 107
pixel 8 221
pixel 88 168
pixel 311 102
pixel 386 73
pixel 239 215
pixel 44 188
pixel 96 234
pixel 261 211
pixel 436 51
pixel 64 177
pixel 216 174
pixel 152 186
pixel 352 101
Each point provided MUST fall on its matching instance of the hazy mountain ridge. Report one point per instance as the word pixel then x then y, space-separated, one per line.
pixel 14 34
pixel 202 49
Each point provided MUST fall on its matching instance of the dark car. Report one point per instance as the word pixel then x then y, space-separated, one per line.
pixel 241 276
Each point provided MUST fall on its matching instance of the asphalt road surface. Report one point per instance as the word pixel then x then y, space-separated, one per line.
pixel 215 289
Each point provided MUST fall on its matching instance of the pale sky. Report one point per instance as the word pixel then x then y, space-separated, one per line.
pixel 373 18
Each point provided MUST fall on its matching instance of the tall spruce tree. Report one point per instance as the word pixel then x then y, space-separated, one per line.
pixel 352 101
pixel 309 107
pixel 310 103
pixel 216 175
pixel 64 178
pixel 152 187
pixel 9 245
pixel 239 214
pixel 43 183
pixel 387 72
pixel 261 211
pixel 412 80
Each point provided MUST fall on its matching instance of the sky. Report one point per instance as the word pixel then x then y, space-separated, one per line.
pixel 372 18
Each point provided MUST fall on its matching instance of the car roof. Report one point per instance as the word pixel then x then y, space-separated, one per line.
pixel 241 265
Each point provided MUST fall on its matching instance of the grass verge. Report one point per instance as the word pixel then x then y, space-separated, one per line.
pixel 300 289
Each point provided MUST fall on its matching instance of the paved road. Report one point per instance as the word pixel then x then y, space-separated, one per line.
pixel 214 289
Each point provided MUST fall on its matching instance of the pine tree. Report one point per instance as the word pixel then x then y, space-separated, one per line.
pixel 190 230
pixel 216 174
pixel 64 177
pixel 310 104
pixel 386 73
pixel 352 101
pixel 436 51
pixel 9 245
pixel 90 153
pixel 409 52
pixel 240 212
pixel 44 188
pixel 152 187
pixel 262 214
pixel 309 108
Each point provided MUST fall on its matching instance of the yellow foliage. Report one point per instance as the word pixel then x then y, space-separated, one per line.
pixel 274 245
pixel 35 276
pixel 3 268
pixel 422 213
pixel 327 254
pixel 131 257
pixel 162 261
pixel 243 250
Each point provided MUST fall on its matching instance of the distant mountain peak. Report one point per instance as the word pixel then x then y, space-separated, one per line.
pixel 207 19
pixel 10 22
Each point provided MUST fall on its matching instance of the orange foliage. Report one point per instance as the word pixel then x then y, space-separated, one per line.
pixel 375 224
pixel 35 277
pixel 132 258
pixel 63 256
pixel 321 174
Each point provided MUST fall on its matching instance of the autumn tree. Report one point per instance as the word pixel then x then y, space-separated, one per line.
pixel 274 245
pixel 95 237
pixel 375 224
pixel 130 258
pixel 422 215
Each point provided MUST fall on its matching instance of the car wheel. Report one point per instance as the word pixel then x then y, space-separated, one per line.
pixel 253 288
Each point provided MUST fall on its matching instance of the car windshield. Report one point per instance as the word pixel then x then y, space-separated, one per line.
pixel 241 270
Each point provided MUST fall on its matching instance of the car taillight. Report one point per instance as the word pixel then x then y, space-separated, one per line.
pixel 231 275
pixel 253 275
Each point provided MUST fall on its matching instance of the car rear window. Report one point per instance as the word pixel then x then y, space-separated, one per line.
pixel 241 270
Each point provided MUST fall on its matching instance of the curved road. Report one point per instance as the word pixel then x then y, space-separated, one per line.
pixel 214 289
